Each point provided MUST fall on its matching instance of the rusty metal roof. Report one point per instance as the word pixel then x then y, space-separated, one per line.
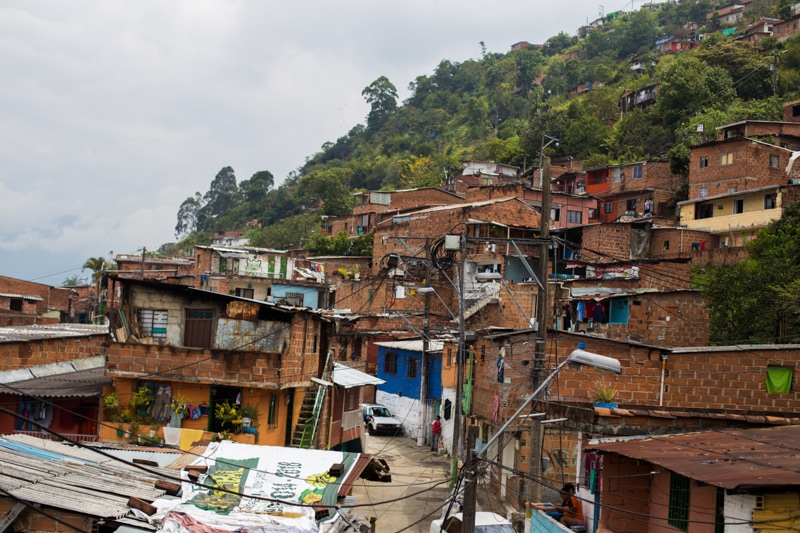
pixel 730 459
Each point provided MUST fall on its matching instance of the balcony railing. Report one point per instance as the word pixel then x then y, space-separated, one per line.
pixel 78 437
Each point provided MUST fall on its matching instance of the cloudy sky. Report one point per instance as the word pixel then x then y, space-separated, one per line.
pixel 112 112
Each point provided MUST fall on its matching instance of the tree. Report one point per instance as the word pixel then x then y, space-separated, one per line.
pixel 290 233
pixel 689 85
pixel 98 265
pixel 73 281
pixel 255 189
pixel 381 95
pixel 743 63
pixel 331 187
pixel 757 300
pixel 188 215
pixel 420 172
pixel 557 44
pixel 585 137
pixel 222 195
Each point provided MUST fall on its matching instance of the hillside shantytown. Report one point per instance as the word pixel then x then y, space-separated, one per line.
pixel 225 388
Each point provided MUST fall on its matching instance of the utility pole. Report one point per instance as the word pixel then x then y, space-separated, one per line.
pixel 470 483
pixel 458 411
pixel 539 358
pixel 144 254
pixel 426 329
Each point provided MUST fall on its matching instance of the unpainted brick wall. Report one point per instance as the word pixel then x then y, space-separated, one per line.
pixel 15 355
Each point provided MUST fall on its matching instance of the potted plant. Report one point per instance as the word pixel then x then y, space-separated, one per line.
pixel 603 394
pixel 179 405
pixel 229 416
pixel 141 400
pixel 111 402
pixel 249 414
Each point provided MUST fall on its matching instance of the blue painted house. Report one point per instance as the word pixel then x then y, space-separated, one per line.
pixel 400 366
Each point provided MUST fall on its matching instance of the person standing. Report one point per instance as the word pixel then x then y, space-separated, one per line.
pixel 437 433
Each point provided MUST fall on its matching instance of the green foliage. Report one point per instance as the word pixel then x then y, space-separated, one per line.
pixel 499 107
pixel 320 244
pixel 758 300
pixel 290 233
pixel 73 281
pixel 381 95
pixel 331 187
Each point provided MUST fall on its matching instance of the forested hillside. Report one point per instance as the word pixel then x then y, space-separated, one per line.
pixel 499 107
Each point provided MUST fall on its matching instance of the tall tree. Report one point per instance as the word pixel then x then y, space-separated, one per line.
pixel 381 95
pixel 331 187
pixel 189 216
pixel 222 195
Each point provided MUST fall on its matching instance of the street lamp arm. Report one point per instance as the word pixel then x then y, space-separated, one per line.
pixel 577 357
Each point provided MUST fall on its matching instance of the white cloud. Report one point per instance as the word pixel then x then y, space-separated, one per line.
pixel 111 113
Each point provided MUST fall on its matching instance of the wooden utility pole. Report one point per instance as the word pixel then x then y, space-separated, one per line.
pixel 426 331
pixel 534 492
pixel 470 483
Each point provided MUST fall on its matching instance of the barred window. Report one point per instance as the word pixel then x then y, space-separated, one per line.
pixel 153 323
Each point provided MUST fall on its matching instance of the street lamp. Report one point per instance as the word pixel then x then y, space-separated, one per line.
pixel 577 358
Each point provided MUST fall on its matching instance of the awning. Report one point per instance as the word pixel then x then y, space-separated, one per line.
pixel 347 377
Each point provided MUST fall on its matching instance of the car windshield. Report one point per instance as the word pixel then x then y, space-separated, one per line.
pixel 381 411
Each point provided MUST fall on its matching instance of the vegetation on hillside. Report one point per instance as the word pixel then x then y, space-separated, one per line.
pixel 499 108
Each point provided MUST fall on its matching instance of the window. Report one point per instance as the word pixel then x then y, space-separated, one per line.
pixel 15 304
pixel 702 192
pixel 770 200
pixel 608 207
pixel 153 323
pixel 294 298
pixel 637 172
pixel 738 205
pixel 555 214
pixel 774 160
pixel 679 501
pixel 593 214
pixel 725 159
pixel 704 211
pixel 666 246
pixel 351 399
pixel 390 363
pixel 733 190
pixel 598 179
pixel 574 217
pixel 272 413
pixel 371 295
pixel 413 364
pixel 245 293
pixel 704 162
pixel 630 205
pixel 618 175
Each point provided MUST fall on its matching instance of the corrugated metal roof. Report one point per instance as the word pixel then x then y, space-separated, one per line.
pixel 49 331
pixel 162 456
pixel 65 477
pixel 23 296
pixel 730 459
pixel 347 377
pixel 75 384
pixel 414 345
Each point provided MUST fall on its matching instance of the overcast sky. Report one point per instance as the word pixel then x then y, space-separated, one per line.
pixel 114 112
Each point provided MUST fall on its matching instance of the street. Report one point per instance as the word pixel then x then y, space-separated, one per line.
pixel 416 494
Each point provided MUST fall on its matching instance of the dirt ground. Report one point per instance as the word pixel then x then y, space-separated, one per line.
pixel 419 487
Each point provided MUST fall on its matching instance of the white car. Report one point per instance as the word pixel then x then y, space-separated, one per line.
pixel 380 419
pixel 485 522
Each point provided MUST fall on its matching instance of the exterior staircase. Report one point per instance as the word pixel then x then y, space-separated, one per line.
pixel 310 411
pixel 305 416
